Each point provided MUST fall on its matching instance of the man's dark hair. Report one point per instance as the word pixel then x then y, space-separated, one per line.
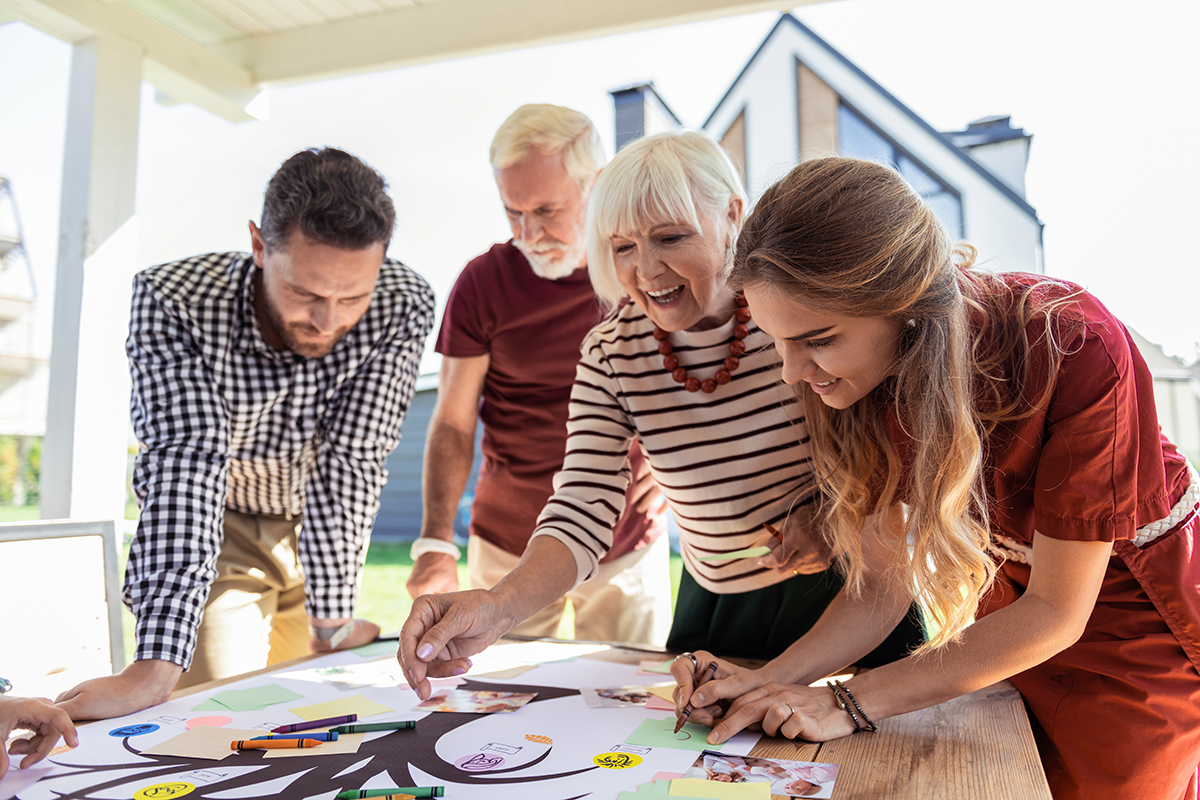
pixel 329 196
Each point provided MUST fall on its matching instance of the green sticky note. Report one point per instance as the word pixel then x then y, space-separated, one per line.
pixel 248 699
pixel 749 552
pixel 659 669
pixel 384 648
pixel 660 733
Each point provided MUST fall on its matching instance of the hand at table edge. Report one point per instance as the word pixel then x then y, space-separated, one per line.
pixel 364 632
pixel 433 573
pixel 140 685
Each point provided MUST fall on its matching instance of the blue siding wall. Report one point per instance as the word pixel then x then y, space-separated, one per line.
pixel 400 503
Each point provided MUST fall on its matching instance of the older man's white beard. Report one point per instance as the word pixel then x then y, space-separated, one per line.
pixel 552 269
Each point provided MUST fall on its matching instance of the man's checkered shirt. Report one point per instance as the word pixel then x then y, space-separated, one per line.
pixel 224 419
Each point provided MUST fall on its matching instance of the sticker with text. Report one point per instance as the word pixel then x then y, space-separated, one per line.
pixel 160 791
pixel 617 760
pixel 133 730
pixel 203 776
pixel 480 762
pixel 166 720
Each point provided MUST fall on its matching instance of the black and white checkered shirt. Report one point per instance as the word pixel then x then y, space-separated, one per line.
pixel 224 419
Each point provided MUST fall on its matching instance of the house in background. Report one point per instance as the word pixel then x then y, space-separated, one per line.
pixel 798 98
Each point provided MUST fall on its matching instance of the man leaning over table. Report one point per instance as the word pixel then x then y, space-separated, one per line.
pixel 268 390
pixel 510 341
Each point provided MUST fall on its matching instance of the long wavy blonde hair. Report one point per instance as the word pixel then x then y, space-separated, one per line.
pixel 851 237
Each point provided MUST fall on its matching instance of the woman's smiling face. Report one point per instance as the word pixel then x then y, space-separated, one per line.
pixel 841 358
pixel 675 273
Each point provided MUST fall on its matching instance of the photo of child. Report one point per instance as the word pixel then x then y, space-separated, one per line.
pixel 616 697
pixel 477 702
pixel 792 778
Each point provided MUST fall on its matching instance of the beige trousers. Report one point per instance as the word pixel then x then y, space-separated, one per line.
pixel 628 601
pixel 255 611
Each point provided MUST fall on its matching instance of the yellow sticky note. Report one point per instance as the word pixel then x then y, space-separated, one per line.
pixel 346 743
pixel 354 704
pixel 695 787
pixel 666 692
pixel 202 742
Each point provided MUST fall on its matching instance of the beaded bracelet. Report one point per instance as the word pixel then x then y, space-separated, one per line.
pixel 847 703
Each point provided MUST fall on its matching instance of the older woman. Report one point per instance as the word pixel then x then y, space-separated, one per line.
pixel 683 369
pixel 1003 405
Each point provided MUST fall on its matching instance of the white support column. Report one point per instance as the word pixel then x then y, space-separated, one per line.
pixel 87 421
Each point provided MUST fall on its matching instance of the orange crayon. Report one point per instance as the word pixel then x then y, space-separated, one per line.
pixel 771 530
pixel 272 744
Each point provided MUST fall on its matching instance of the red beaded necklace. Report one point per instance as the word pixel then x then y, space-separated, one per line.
pixel 736 348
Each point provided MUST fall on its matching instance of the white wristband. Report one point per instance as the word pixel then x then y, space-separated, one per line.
pixel 425 545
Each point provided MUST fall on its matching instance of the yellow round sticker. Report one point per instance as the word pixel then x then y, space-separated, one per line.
pixel 164 790
pixel 617 760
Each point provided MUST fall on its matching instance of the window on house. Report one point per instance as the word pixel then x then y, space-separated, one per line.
pixel 857 138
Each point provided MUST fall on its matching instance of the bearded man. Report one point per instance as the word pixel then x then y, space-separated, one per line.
pixel 510 341
pixel 268 390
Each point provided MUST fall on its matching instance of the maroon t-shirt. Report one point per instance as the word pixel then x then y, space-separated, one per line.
pixel 531 329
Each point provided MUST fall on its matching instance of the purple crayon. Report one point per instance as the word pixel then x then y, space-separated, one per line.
pixel 316 723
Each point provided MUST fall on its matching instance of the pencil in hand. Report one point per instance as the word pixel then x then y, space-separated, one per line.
pixel 708 674
pixel 771 530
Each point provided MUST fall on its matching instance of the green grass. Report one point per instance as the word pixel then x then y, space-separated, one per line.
pixel 19 513
pixel 383 598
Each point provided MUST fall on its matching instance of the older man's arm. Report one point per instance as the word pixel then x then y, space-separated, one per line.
pixel 449 451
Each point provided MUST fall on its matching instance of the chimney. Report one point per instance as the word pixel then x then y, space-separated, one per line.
pixel 639 110
pixel 1002 149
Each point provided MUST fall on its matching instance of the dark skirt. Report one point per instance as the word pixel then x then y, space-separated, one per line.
pixel 763 623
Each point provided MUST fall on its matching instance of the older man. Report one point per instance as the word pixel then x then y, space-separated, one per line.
pixel 268 390
pixel 510 342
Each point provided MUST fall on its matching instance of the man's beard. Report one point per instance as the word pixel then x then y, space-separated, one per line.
pixel 290 333
pixel 573 257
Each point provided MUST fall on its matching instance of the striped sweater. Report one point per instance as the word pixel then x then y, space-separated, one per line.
pixel 727 462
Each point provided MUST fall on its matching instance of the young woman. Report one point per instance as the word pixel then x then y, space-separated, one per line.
pixel 964 422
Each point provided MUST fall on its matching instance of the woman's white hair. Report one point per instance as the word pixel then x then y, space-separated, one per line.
pixel 666 177
pixel 550 129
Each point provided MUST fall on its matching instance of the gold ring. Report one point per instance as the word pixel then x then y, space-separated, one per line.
pixel 795 572
pixel 791 710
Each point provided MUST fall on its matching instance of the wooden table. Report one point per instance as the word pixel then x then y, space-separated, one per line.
pixel 976 746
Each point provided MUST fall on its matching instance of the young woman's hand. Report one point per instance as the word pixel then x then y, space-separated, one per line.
pixel 793 712
pixel 709 690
